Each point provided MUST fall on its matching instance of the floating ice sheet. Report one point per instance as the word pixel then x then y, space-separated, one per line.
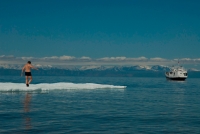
pixel 55 86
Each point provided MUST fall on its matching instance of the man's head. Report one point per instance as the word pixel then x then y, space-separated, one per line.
pixel 29 62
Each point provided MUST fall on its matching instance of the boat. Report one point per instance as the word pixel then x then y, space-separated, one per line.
pixel 176 73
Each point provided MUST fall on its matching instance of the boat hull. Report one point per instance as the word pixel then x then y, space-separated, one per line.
pixel 176 78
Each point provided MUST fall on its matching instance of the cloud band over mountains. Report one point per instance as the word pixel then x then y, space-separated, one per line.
pixel 71 60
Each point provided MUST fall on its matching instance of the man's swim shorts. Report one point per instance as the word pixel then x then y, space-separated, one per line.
pixel 28 74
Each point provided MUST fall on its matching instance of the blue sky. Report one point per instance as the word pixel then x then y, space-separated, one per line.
pixel 100 28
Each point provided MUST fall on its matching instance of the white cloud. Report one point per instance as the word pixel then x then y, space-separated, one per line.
pixel 27 58
pixel 71 60
pixel 49 58
pixel 188 60
pixel 157 59
pixel 122 59
pixel 66 57
pixel 85 58
pixel 112 58
pixel 139 59
pixel 8 56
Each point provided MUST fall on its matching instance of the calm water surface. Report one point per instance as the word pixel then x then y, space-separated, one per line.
pixel 147 105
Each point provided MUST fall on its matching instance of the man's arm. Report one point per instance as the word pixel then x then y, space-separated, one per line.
pixel 34 67
pixel 22 70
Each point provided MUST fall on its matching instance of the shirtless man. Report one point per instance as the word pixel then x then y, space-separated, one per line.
pixel 27 68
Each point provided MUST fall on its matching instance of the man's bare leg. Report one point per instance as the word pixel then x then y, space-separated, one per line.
pixel 26 80
pixel 30 79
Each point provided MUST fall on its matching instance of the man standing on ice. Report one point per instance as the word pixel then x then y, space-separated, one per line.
pixel 27 68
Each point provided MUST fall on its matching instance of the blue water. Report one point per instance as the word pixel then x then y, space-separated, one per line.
pixel 145 106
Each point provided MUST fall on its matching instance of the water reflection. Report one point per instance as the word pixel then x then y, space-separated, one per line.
pixel 27 101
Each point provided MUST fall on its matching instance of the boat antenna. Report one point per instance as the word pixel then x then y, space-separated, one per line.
pixel 178 62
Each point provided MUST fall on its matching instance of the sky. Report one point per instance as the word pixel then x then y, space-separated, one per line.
pixel 100 31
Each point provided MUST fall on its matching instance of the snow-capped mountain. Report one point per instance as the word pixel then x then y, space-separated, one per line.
pixel 92 67
pixel 96 68
pixel 193 70
pixel 8 66
pixel 91 71
pixel 44 67
pixel 83 68
pixel 19 67
pixel 125 68
pixel 160 68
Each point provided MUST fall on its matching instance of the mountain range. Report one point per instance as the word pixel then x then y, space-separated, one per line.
pixel 98 71
pixel 84 68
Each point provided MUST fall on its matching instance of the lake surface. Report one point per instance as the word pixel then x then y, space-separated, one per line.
pixel 57 105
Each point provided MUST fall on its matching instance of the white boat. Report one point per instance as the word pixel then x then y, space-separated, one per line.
pixel 176 73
